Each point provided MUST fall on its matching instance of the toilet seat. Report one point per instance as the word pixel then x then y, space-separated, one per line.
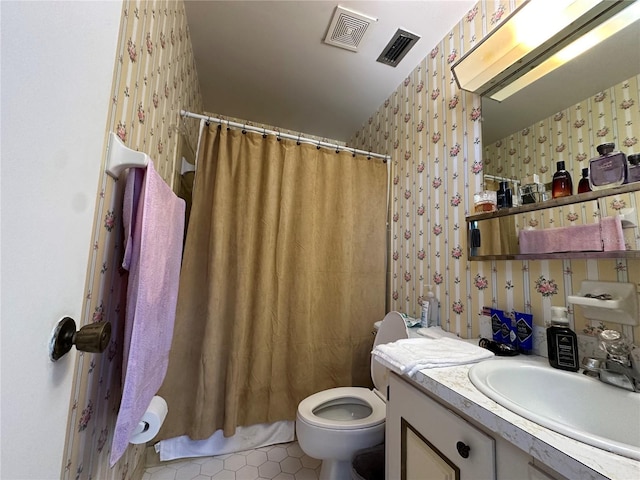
pixel 343 395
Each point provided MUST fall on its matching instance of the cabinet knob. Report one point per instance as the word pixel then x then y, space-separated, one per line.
pixel 463 449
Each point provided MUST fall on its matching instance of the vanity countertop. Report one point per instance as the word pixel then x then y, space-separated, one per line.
pixel 571 458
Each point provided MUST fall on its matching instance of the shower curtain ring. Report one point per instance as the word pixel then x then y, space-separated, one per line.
pixel 264 133
pixel 244 129
pixel 228 125
pixel 278 136
pixel 369 156
pixel 298 142
pixel 337 149
pixel 318 147
pixel 354 153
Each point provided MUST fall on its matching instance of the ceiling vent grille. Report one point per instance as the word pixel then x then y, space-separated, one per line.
pixel 398 47
pixel 348 28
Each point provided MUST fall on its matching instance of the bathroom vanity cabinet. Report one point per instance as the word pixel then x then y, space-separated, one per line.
pixel 511 447
pixel 422 436
pixel 425 439
pixel 497 232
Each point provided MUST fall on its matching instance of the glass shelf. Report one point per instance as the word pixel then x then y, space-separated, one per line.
pixel 557 202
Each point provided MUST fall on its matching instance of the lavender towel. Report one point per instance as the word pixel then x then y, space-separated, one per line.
pixel 606 235
pixel 576 238
pixel 153 218
pixel 612 236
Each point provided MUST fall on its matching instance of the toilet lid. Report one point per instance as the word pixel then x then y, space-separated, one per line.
pixel 391 329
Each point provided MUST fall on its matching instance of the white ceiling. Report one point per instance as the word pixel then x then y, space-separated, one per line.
pixel 266 62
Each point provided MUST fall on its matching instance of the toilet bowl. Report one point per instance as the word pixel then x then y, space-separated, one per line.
pixel 333 424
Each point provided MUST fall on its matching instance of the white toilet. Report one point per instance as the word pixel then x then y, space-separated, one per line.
pixel 334 424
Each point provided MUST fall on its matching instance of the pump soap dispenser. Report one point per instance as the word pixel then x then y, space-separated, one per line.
pixel 562 342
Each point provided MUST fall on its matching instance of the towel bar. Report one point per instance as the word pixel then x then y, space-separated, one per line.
pixel 121 157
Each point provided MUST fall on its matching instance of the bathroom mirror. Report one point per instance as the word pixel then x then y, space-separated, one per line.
pixel 564 116
pixel 614 60
pixel 567 113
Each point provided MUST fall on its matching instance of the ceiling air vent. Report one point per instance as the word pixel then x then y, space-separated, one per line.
pixel 398 47
pixel 348 28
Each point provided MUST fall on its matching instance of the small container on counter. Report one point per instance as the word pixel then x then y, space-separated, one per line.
pixel 610 169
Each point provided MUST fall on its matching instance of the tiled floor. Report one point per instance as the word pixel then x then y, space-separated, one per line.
pixel 285 461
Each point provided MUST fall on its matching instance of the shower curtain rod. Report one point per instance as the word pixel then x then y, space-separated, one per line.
pixel 298 138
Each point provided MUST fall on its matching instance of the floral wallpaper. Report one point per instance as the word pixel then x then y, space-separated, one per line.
pixel 434 134
pixel 154 78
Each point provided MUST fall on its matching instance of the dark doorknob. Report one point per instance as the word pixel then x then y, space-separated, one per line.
pixel 93 337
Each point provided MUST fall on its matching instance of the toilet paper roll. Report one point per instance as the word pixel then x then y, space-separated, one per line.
pixel 151 421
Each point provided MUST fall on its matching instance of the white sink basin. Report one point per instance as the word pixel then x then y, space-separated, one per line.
pixel 572 404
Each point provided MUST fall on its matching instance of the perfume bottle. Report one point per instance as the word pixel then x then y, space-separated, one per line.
pixel 634 167
pixel 505 197
pixel 610 169
pixel 583 185
pixel 562 186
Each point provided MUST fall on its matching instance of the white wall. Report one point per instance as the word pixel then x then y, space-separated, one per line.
pixel 57 62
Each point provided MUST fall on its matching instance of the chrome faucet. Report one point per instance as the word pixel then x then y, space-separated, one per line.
pixel 620 368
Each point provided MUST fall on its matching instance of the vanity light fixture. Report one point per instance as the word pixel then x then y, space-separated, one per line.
pixel 536 38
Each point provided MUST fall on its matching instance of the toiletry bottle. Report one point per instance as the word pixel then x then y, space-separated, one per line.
pixel 562 342
pixel 562 186
pixel 634 167
pixel 583 185
pixel 424 315
pixel 610 169
pixel 433 307
pixel 505 197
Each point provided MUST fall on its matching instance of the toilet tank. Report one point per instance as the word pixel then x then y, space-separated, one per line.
pixel 391 329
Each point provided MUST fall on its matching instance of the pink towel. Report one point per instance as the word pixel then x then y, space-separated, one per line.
pixel 612 236
pixel 154 224
pixel 593 237
pixel 576 238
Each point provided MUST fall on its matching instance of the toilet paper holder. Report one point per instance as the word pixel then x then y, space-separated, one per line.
pixel 93 337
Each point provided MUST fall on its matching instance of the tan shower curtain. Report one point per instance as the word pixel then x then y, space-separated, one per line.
pixel 282 279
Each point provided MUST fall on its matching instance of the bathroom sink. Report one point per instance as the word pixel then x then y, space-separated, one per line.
pixel 580 407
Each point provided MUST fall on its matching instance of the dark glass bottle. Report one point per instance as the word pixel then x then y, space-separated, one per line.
pixel 504 196
pixel 583 185
pixel 562 342
pixel 562 185
pixel 634 167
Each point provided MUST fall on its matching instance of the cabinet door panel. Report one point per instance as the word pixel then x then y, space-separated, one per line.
pixel 421 460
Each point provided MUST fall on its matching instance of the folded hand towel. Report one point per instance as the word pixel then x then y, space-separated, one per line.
pixel 407 356
pixel 576 238
pixel 612 236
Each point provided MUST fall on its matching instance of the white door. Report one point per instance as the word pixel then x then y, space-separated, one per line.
pixel 57 63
